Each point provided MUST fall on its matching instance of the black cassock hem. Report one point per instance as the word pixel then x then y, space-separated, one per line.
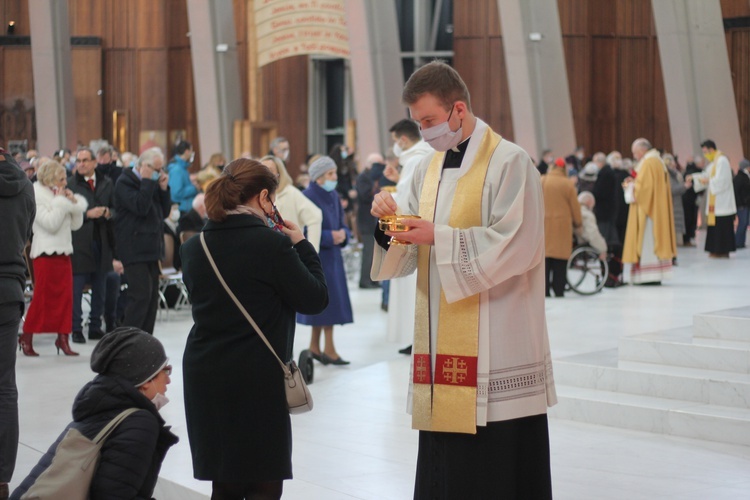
pixel 504 460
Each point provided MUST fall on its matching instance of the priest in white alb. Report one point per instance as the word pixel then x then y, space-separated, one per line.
pixel 481 369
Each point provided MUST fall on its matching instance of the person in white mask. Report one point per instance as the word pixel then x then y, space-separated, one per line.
pixel 280 149
pixel 410 148
pixel 132 372
pixel 481 377
pixel 334 236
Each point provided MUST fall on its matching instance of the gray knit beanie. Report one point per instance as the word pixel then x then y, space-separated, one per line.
pixel 129 353
pixel 744 164
pixel 320 167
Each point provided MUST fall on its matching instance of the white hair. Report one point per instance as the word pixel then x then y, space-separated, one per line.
pixel 586 198
pixel 148 156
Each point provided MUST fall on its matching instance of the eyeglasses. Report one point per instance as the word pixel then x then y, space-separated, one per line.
pixel 168 370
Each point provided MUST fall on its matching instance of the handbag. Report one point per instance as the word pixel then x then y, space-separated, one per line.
pixel 72 469
pixel 298 397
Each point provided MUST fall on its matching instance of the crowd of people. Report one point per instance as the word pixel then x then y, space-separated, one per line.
pixel 638 211
pixel 492 233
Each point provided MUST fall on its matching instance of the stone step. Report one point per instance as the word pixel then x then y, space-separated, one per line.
pixel 664 416
pixel 602 371
pixel 678 347
pixel 729 324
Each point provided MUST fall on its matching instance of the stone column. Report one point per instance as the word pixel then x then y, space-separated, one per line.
pixel 54 104
pixel 377 73
pixel 697 77
pixel 216 76
pixel 537 76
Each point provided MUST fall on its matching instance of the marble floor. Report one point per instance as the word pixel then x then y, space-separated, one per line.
pixel 357 443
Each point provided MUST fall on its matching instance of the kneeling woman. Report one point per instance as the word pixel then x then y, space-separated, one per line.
pixel 133 373
pixel 237 418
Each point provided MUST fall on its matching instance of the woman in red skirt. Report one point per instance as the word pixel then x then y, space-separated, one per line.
pixel 58 213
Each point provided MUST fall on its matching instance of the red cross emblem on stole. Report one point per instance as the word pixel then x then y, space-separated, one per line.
pixel 422 370
pixel 456 370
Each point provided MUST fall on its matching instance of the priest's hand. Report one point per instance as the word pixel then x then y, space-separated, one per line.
pixel 421 232
pixel 383 204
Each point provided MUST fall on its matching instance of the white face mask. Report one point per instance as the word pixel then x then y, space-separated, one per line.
pixel 285 155
pixel 174 215
pixel 397 151
pixel 160 400
pixel 441 137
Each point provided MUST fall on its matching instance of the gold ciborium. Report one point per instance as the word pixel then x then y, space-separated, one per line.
pixel 388 189
pixel 396 224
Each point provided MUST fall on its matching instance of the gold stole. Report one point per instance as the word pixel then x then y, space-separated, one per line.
pixel 449 402
pixel 711 219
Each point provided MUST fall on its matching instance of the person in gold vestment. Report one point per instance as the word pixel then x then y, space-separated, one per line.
pixel 481 367
pixel 650 243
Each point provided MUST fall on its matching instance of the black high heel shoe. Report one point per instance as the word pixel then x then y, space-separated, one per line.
pixel 327 360
pixel 322 358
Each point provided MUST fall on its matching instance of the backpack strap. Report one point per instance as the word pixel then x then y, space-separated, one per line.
pixel 112 425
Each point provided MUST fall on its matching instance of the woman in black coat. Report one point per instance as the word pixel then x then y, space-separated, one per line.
pixel 133 373
pixel 237 418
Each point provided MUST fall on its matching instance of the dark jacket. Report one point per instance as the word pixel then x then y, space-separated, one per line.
pixel 367 185
pixel 131 457
pixel 111 170
pixel 605 193
pixel 742 188
pixel 18 209
pixel 191 221
pixel 98 231
pixel 140 208
pixel 237 419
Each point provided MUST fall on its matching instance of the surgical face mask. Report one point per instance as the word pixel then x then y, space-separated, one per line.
pixel 174 215
pixel 285 155
pixel 710 155
pixel 160 400
pixel 441 137
pixel 344 154
pixel 329 185
pixel 192 157
pixel 397 150
pixel 155 176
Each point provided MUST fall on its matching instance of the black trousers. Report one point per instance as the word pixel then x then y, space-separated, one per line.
pixel 508 460
pixel 368 249
pixel 555 271
pixel 10 318
pixel 143 295
pixel 691 216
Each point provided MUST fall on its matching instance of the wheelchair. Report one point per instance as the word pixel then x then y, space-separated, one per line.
pixel 586 273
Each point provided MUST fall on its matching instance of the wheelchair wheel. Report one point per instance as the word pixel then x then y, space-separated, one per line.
pixel 305 365
pixel 586 273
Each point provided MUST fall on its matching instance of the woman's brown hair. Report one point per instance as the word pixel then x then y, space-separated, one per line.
pixel 240 181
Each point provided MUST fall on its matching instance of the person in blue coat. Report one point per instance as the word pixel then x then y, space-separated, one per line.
pixel 334 237
pixel 182 187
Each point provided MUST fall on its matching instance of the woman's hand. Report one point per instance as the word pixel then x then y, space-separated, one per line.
pixel 383 204
pixel 339 236
pixel 293 231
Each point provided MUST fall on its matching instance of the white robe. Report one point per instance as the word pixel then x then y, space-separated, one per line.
pixel 402 297
pixel 504 263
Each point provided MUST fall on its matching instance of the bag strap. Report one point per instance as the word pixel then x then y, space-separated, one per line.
pixel 112 425
pixel 240 306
